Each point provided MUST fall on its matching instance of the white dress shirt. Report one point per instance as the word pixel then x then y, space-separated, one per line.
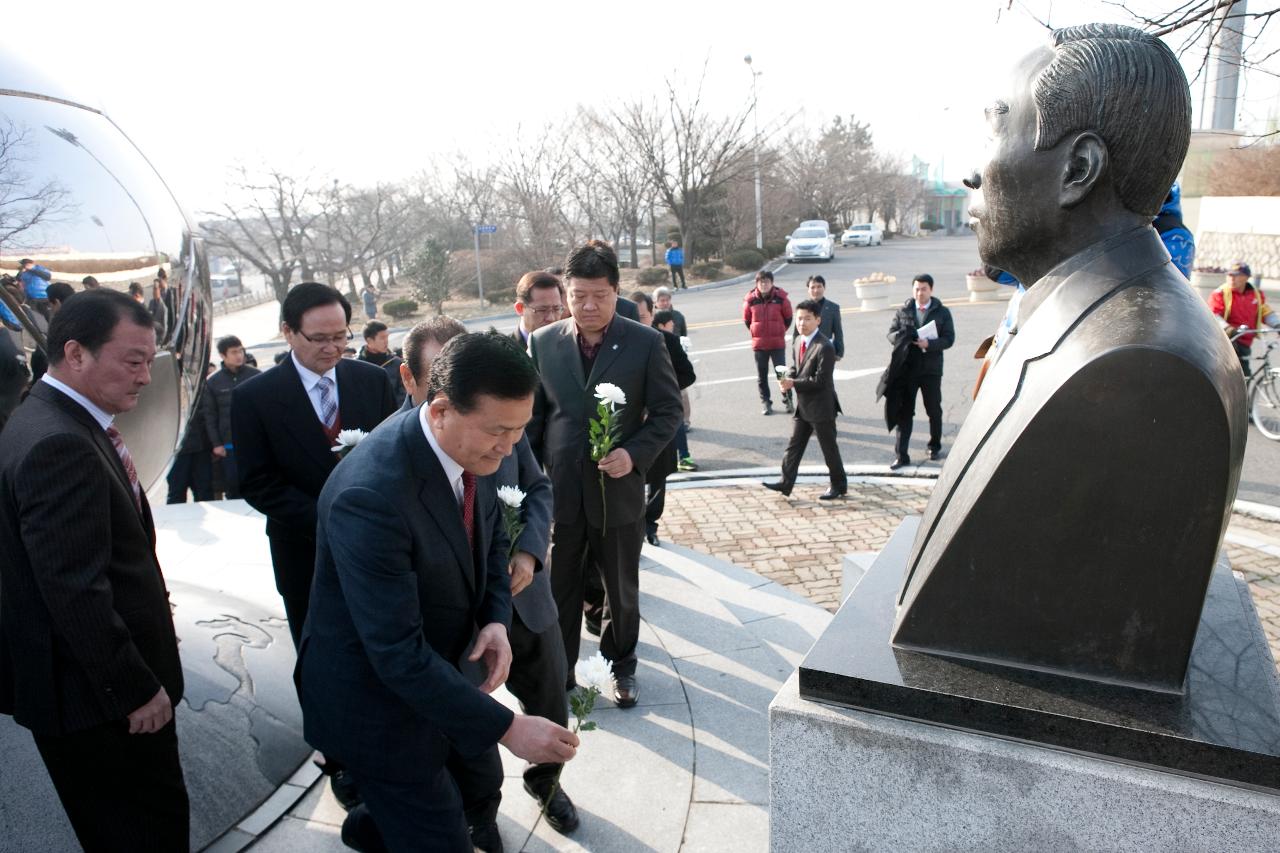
pixel 452 470
pixel 104 420
pixel 310 381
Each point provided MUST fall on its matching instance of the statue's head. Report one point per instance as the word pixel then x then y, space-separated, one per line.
pixel 1089 135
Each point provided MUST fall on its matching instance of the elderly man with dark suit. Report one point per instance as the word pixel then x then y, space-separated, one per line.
pixel 574 356
pixel 411 565
pixel 88 657
pixel 813 379
pixel 285 423
pixel 538 668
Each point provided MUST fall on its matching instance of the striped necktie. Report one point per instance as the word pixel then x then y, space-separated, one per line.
pixel 126 459
pixel 328 405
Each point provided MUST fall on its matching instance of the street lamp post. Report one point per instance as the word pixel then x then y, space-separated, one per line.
pixel 755 117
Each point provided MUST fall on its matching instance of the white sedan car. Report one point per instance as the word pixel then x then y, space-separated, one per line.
pixel 862 235
pixel 811 244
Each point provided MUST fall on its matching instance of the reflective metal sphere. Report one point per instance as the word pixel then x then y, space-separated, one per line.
pixel 77 197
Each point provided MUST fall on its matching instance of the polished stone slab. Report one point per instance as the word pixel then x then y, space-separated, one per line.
pixel 1226 727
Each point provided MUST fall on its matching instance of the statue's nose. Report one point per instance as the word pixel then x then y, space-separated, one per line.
pixel 974 181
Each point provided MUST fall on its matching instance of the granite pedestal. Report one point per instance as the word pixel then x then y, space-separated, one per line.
pixel 938 753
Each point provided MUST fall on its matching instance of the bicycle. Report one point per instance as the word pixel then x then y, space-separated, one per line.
pixel 1262 390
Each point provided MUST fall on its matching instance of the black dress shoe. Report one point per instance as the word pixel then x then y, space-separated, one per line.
pixel 935 455
pixel 345 790
pixel 626 692
pixel 899 463
pixel 359 832
pixel 593 626
pixel 830 495
pixel 768 409
pixel 783 488
pixel 561 813
pixel 485 836
pixel 651 537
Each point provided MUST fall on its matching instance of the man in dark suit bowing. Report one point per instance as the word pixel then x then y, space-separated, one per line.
pixel 816 403
pixel 411 565
pixel 285 424
pixel 88 657
pixel 574 356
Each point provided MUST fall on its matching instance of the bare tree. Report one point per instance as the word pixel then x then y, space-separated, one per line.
pixel 1247 172
pixel 689 154
pixel 25 203
pixel 610 162
pixel 535 177
pixel 272 231
pixel 831 173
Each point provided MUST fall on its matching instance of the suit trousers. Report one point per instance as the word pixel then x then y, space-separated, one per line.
pixel 293 558
pixel 765 378
pixel 930 388
pixel 423 816
pixel 617 553
pixel 192 471
pixel 655 501
pixel 800 434
pixel 122 792
pixel 537 679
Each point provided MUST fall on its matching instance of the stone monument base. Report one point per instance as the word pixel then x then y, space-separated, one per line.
pixel 841 779
pixel 931 753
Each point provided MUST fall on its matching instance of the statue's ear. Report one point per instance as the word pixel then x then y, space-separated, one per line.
pixel 1086 161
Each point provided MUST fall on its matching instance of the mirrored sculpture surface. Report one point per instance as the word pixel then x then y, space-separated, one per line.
pixel 79 199
pixel 1075 525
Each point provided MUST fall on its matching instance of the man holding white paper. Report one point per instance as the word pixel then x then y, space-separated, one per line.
pixel 923 324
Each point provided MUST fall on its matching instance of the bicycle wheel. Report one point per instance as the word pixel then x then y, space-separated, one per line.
pixel 1264 405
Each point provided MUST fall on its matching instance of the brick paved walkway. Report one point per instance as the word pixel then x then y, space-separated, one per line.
pixel 799 542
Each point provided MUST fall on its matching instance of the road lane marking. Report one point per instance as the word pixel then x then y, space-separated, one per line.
pixel 839 374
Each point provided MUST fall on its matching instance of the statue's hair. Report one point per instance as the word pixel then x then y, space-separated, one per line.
pixel 1129 88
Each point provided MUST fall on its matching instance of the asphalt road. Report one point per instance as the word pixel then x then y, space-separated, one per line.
pixel 729 430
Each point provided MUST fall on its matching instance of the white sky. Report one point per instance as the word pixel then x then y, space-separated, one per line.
pixel 369 91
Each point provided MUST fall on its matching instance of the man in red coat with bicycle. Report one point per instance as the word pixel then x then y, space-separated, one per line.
pixel 1240 306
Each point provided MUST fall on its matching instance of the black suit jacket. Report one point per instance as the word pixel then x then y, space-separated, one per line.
pixel 86 636
pixel 830 325
pixel 919 362
pixel 282 452
pixel 634 358
pixel 815 386
pixel 397 597
pixel 665 465
pixel 535 603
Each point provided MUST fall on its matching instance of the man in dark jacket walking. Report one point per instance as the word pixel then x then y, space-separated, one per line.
pixel 767 313
pixel 217 408
pixel 828 316
pixel 923 325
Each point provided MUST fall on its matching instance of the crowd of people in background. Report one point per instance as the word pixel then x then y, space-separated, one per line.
pixel 405 596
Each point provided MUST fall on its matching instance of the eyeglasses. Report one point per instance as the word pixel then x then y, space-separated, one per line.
pixel 329 340
pixel 549 311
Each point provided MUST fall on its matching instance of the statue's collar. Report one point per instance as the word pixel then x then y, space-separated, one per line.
pixel 1049 283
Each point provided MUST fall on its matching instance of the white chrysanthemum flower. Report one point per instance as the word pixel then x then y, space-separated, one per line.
pixel 349 438
pixel 607 392
pixel 511 496
pixel 594 673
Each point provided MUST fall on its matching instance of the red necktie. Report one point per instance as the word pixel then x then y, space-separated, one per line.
pixel 802 349
pixel 126 459
pixel 469 506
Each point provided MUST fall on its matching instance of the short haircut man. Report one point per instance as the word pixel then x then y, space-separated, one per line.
pixel 574 356
pixel 539 302
pixel 537 280
pixel 421 345
pixel 640 297
pixel 411 561
pixel 228 342
pixel 89 282
pixel 135 290
pixel 58 293
pixel 88 654
pixel 926 278
pixel 373 328
pixel 662 317
pixel 765 275
pixel 306 296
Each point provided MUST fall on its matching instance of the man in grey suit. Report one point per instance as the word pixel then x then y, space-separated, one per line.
pixel 605 519
pixel 411 565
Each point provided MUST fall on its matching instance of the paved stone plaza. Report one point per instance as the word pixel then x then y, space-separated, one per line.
pixel 799 541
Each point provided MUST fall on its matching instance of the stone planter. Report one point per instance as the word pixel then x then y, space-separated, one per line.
pixel 1205 283
pixel 980 287
pixel 874 293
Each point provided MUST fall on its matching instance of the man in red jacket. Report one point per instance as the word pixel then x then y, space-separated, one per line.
pixel 767 313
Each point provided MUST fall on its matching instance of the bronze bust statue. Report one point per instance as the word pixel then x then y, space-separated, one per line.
pixel 1077 520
